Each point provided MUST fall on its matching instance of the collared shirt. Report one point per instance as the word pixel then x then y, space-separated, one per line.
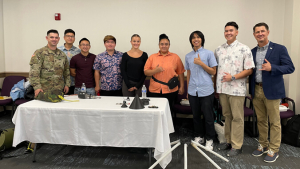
pixel 260 57
pixel 172 66
pixel 83 66
pixel 110 71
pixel 233 59
pixel 70 53
pixel 200 82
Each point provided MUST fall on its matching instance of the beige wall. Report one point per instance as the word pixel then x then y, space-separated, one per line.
pixel 292 42
pixel 25 23
pixel 2 58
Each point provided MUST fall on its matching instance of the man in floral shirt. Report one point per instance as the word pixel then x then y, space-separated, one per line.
pixel 107 69
pixel 235 63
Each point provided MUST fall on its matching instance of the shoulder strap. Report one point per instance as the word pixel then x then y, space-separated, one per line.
pixel 158 81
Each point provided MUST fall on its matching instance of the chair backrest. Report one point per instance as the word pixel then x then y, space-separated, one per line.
pixel 9 82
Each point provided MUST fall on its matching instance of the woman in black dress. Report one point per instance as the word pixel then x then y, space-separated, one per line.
pixel 132 68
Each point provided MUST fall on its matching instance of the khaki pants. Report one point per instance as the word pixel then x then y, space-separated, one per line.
pixel 267 110
pixel 233 111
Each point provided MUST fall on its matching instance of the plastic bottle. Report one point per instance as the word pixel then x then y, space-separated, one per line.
pixel 83 88
pixel 144 92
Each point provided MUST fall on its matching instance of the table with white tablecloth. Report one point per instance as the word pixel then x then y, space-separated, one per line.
pixel 96 122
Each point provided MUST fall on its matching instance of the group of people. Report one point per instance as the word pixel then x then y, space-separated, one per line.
pixel 113 73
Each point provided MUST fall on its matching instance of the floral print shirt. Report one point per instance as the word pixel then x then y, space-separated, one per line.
pixel 233 59
pixel 110 71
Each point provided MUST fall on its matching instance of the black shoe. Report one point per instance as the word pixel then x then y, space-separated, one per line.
pixel 234 152
pixel 224 146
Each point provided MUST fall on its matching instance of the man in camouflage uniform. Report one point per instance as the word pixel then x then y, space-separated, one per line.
pixel 49 67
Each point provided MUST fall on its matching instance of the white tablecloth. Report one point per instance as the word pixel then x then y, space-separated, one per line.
pixel 96 122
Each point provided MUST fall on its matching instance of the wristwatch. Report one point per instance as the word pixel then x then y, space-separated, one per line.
pixel 232 78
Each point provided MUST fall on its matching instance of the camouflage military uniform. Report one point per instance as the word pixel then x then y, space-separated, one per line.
pixel 49 69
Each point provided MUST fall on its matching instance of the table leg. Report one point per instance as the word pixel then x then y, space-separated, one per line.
pixel 34 152
pixel 150 155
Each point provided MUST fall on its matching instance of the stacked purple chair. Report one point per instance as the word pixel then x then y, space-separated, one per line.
pixel 8 83
pixel 178 108
pixel 289 113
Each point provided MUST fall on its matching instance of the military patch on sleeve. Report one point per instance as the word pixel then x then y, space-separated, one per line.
pixel 33 55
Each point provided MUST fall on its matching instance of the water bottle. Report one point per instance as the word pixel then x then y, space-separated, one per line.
pixel 83 88
pixel 144 92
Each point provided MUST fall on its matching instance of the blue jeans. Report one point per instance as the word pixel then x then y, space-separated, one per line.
pixel 88 91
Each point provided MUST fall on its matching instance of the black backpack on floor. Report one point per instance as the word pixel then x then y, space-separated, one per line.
pixel 292 131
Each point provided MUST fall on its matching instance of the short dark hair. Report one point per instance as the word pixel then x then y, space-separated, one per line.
pixel 163 36
pixel 83 40
pixel 109 37
pixel 200 34
pixel 232 24
pixel 135 35
pixel 69 31
pixel 261 24
pixel 52 31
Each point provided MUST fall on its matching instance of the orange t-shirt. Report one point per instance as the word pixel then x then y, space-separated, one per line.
pixel 172 66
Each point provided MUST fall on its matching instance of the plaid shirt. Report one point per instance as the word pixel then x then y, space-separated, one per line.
pixel 110 71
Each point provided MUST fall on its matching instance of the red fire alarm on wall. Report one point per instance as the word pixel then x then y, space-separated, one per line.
pixel 57 16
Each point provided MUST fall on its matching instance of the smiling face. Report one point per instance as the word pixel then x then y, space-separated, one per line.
pixel 69 38
pixel 110 45
pixel 164 46
pixel 135 42
pixel 84 46
pixel 261 34
pixel 52 39
pixel 230 34
pixel 196 41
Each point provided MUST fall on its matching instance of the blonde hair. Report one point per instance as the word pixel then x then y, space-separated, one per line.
pixel 109 37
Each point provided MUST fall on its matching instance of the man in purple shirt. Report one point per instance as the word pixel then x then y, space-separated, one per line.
pixel 81 67
pixel 107 69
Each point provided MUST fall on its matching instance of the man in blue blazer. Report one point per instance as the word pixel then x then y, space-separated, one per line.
pixel 266 86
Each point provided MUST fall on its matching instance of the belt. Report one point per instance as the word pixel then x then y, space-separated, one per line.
pixel 259 84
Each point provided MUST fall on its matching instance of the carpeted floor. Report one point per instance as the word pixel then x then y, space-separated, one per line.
pixel 64 156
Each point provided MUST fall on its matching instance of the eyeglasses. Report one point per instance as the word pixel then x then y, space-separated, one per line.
pixel 87 45
pixel 68 36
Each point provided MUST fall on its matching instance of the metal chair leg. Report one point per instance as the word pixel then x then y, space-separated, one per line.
pixel 12 110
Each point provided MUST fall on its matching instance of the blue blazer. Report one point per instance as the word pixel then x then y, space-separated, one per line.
pixel 281 63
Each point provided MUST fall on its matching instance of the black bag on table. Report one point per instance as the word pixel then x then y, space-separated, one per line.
pixel 292 131
pixel 172 83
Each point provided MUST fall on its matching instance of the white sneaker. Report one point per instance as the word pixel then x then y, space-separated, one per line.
pixel 209 144
pixel 199 140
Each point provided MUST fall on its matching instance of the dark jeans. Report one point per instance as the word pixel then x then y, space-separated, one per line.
pixel 170 96
pixel 71 90
pixel 111 92
pixel 203 106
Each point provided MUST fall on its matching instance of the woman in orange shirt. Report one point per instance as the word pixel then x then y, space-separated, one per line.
pixel 163 66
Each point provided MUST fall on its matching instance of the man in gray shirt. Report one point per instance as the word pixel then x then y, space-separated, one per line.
pixel 70 50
